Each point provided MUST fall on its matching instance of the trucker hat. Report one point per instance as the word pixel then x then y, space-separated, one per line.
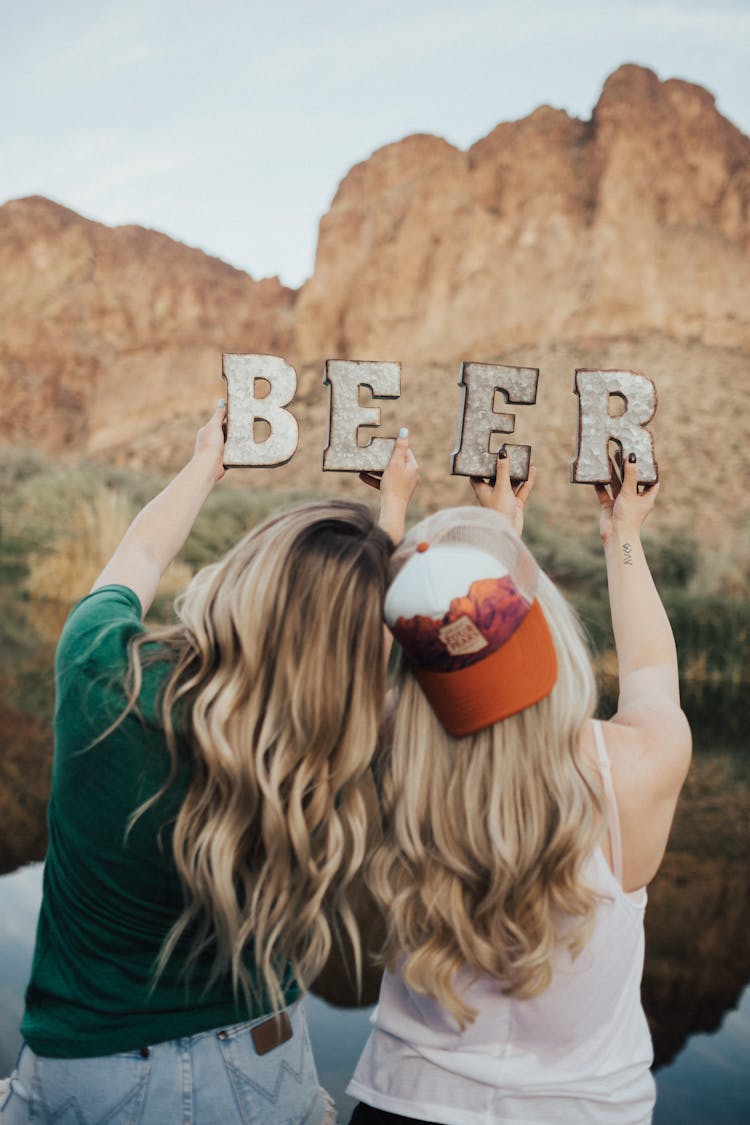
pixel 462 605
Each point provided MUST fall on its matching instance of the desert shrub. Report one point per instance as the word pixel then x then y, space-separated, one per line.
pixel 724 568
pixel 59 524
pixel 68 563
pixel 674 558
pixel 712 635
pixel 573 561
pixel 228 514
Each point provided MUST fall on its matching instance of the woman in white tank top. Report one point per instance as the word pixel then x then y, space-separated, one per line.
pixel 519 833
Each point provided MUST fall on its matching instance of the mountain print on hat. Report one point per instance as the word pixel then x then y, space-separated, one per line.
pixel 474 626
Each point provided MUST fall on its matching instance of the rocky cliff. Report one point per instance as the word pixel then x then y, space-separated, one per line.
pixel 552 242
pixel 105 333
pixel 548 229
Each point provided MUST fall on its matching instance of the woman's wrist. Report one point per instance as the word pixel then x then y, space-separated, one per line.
pixel 206 467
pixel 393 516
pixel 621 533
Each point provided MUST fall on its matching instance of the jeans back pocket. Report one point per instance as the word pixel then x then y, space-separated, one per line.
pixel 279 1087
pixel 109 1090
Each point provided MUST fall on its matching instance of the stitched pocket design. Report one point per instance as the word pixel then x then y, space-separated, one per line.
pixel 100 1091
pixel 278 1088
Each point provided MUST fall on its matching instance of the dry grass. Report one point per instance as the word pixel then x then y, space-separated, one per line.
pixel 66 569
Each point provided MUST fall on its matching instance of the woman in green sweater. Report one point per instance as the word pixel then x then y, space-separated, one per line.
pixel 207 802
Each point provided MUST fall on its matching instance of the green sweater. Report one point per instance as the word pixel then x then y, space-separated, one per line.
pixel 108 903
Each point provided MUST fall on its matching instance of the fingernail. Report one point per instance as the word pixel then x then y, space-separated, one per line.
pixel 221 402
pixel 632 458
pixel 503 453
pixel 403 432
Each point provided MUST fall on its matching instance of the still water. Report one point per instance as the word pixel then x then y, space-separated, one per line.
pixel 695 983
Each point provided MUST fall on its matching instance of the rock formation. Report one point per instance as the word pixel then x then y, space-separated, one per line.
pixel 616 242
pixel 548 229
pixel 106 333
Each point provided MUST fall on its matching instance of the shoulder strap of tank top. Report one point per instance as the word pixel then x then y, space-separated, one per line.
pixel 605 769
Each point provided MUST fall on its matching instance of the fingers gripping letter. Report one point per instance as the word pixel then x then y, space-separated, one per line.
pixel 345 416
pixel 245 408
pixel 597 425
pixel 478 420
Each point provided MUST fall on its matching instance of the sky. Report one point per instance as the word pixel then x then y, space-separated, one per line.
pixel 229 124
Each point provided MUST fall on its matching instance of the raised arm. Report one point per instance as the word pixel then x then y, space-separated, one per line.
pixel 396 486
pixel 501 496
pixel 159 531
pixel 648 737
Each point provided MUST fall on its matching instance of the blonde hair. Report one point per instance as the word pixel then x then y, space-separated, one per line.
pixel 486 836
pixel 276 692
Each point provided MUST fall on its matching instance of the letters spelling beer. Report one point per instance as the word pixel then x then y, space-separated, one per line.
pixel 477 419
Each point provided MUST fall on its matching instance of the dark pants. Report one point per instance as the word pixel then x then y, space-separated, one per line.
pixel 368 1115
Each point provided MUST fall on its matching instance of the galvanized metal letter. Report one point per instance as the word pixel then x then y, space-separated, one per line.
pixel 345 415
pixel 597 426
pixel 478 420
pixel 244 408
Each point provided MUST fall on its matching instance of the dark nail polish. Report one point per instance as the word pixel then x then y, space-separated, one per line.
pixel 632 458
pixel 503 453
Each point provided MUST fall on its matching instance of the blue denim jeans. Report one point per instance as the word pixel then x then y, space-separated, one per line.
pixel 214 1078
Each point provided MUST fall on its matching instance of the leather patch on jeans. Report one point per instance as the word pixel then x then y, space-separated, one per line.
pixel 271 1033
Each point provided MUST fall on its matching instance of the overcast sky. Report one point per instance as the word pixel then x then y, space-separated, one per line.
pixel 229 123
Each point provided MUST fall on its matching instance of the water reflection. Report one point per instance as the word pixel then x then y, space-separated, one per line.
pixel 20 895
pixel 708 1082
pixel 697 952
pixel 697 964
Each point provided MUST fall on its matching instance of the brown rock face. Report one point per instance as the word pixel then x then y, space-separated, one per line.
pixel 637 221
pixel 623 241
pixel 105 333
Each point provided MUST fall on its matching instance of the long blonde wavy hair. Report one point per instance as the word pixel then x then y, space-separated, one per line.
pixel 276 695
pixel 486 837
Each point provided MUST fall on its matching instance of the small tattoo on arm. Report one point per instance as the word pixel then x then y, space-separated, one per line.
pixel 627 554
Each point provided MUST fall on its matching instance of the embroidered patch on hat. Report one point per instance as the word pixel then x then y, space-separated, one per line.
pixel 462 637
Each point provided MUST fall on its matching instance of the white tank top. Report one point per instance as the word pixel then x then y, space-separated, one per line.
pixel 578 1054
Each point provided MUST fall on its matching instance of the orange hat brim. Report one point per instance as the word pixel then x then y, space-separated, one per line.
pixel 517 675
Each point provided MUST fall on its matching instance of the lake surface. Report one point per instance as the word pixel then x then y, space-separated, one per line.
pixel 695 982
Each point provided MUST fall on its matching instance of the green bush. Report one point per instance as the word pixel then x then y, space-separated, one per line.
pixel 228 514
pixel 572 561
pixel 704 590
pixel 673 558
